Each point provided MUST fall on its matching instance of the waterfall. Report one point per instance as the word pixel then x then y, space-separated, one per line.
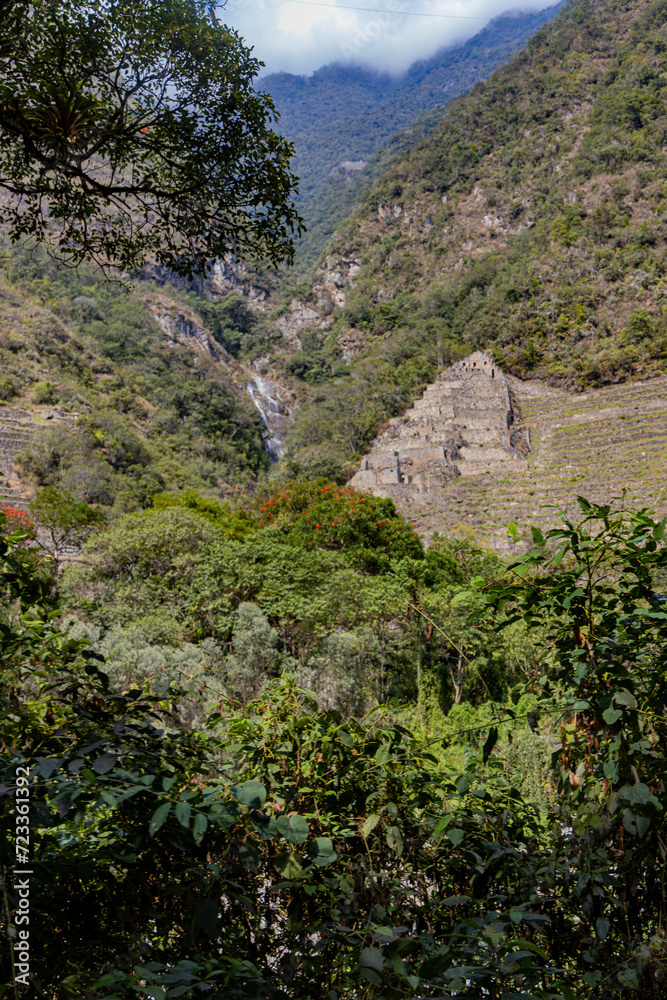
pixel 272 409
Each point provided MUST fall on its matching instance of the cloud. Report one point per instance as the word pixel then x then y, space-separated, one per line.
pixel 299 38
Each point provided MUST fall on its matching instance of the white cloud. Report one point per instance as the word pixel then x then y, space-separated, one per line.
pixel 299 38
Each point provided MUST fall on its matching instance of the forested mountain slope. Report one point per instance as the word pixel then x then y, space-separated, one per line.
pixel 115 395
pixel 531 222
pixel 343 114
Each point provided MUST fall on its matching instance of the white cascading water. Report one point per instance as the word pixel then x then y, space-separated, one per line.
pixel 264 395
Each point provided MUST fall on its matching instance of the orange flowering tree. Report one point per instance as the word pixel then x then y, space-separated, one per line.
pixel 16 520
pixel 322 515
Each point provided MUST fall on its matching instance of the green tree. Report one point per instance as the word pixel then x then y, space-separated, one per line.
pixel 65 521
pixel 596 588
pixel 132 134
pixel 255 658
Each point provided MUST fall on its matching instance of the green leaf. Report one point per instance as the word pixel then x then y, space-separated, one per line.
pixel 639 793
pixel 394 840
pixel 512 529
pixel 371 958
pixel 456 836
pixel 293 828
pixel 612 715
pixel 580 706
pixel 250 793
pixel 199 827
pixel 531 946
pixel 383 756
pixel 323 851
pixel 183 811
pixel 538 537
pixel 104 763
pixel 602 927
pixel 288 865
pixel 158 818
pixel 635 824
pixel 462 597
pixel 369 824
pixel 625 697
pixel 46 766
pixel 489 743
pixel 628 977
pixel 442 823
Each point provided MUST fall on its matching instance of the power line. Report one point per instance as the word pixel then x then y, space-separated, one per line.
pixel 381 10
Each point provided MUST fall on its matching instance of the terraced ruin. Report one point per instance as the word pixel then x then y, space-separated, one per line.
pixel 465 424
pixel 17 427
pixel 598 444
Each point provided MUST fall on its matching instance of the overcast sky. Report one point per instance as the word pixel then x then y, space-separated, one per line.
pixel 298 36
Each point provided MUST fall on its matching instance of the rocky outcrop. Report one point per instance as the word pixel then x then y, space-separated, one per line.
pixel 332 279
pixel 300 317
pixel 465 424
pixel 183 327
pixel 229 275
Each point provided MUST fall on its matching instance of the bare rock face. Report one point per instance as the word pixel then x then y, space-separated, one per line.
pixel 299 318
pixel 182 326
pixel 333 278
pixel 465 424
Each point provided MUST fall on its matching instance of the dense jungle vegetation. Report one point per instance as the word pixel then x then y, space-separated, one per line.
pixel 155 412
pixel 227 835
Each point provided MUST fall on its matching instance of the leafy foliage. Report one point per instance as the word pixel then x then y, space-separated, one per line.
pixel 288 852
pixel 111 120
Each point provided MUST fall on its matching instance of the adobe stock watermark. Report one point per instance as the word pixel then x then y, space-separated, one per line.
pixel 19 930
pixel 373 28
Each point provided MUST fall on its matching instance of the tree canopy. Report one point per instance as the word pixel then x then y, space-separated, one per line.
pixel 284 852
pixel 131 133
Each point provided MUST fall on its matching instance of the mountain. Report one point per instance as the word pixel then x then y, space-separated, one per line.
pixel 345 113
pixel 341 115
pixel 116 394
pixel 531 223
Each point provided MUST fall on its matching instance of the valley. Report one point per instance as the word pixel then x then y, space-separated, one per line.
pixel 296 698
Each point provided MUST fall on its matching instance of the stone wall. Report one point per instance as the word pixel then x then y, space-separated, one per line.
pixel 465 424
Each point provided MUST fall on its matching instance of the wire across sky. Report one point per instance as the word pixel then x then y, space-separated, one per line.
pixel 384 10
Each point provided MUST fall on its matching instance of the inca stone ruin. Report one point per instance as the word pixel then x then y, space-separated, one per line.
pixel 465 424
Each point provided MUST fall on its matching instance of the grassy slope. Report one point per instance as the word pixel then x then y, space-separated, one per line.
pixel 530 222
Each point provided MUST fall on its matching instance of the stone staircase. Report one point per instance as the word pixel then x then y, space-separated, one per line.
pixel 17 428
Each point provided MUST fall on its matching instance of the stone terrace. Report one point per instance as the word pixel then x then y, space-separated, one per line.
pixel 465 424
pixel 16 430
pixel 597 443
